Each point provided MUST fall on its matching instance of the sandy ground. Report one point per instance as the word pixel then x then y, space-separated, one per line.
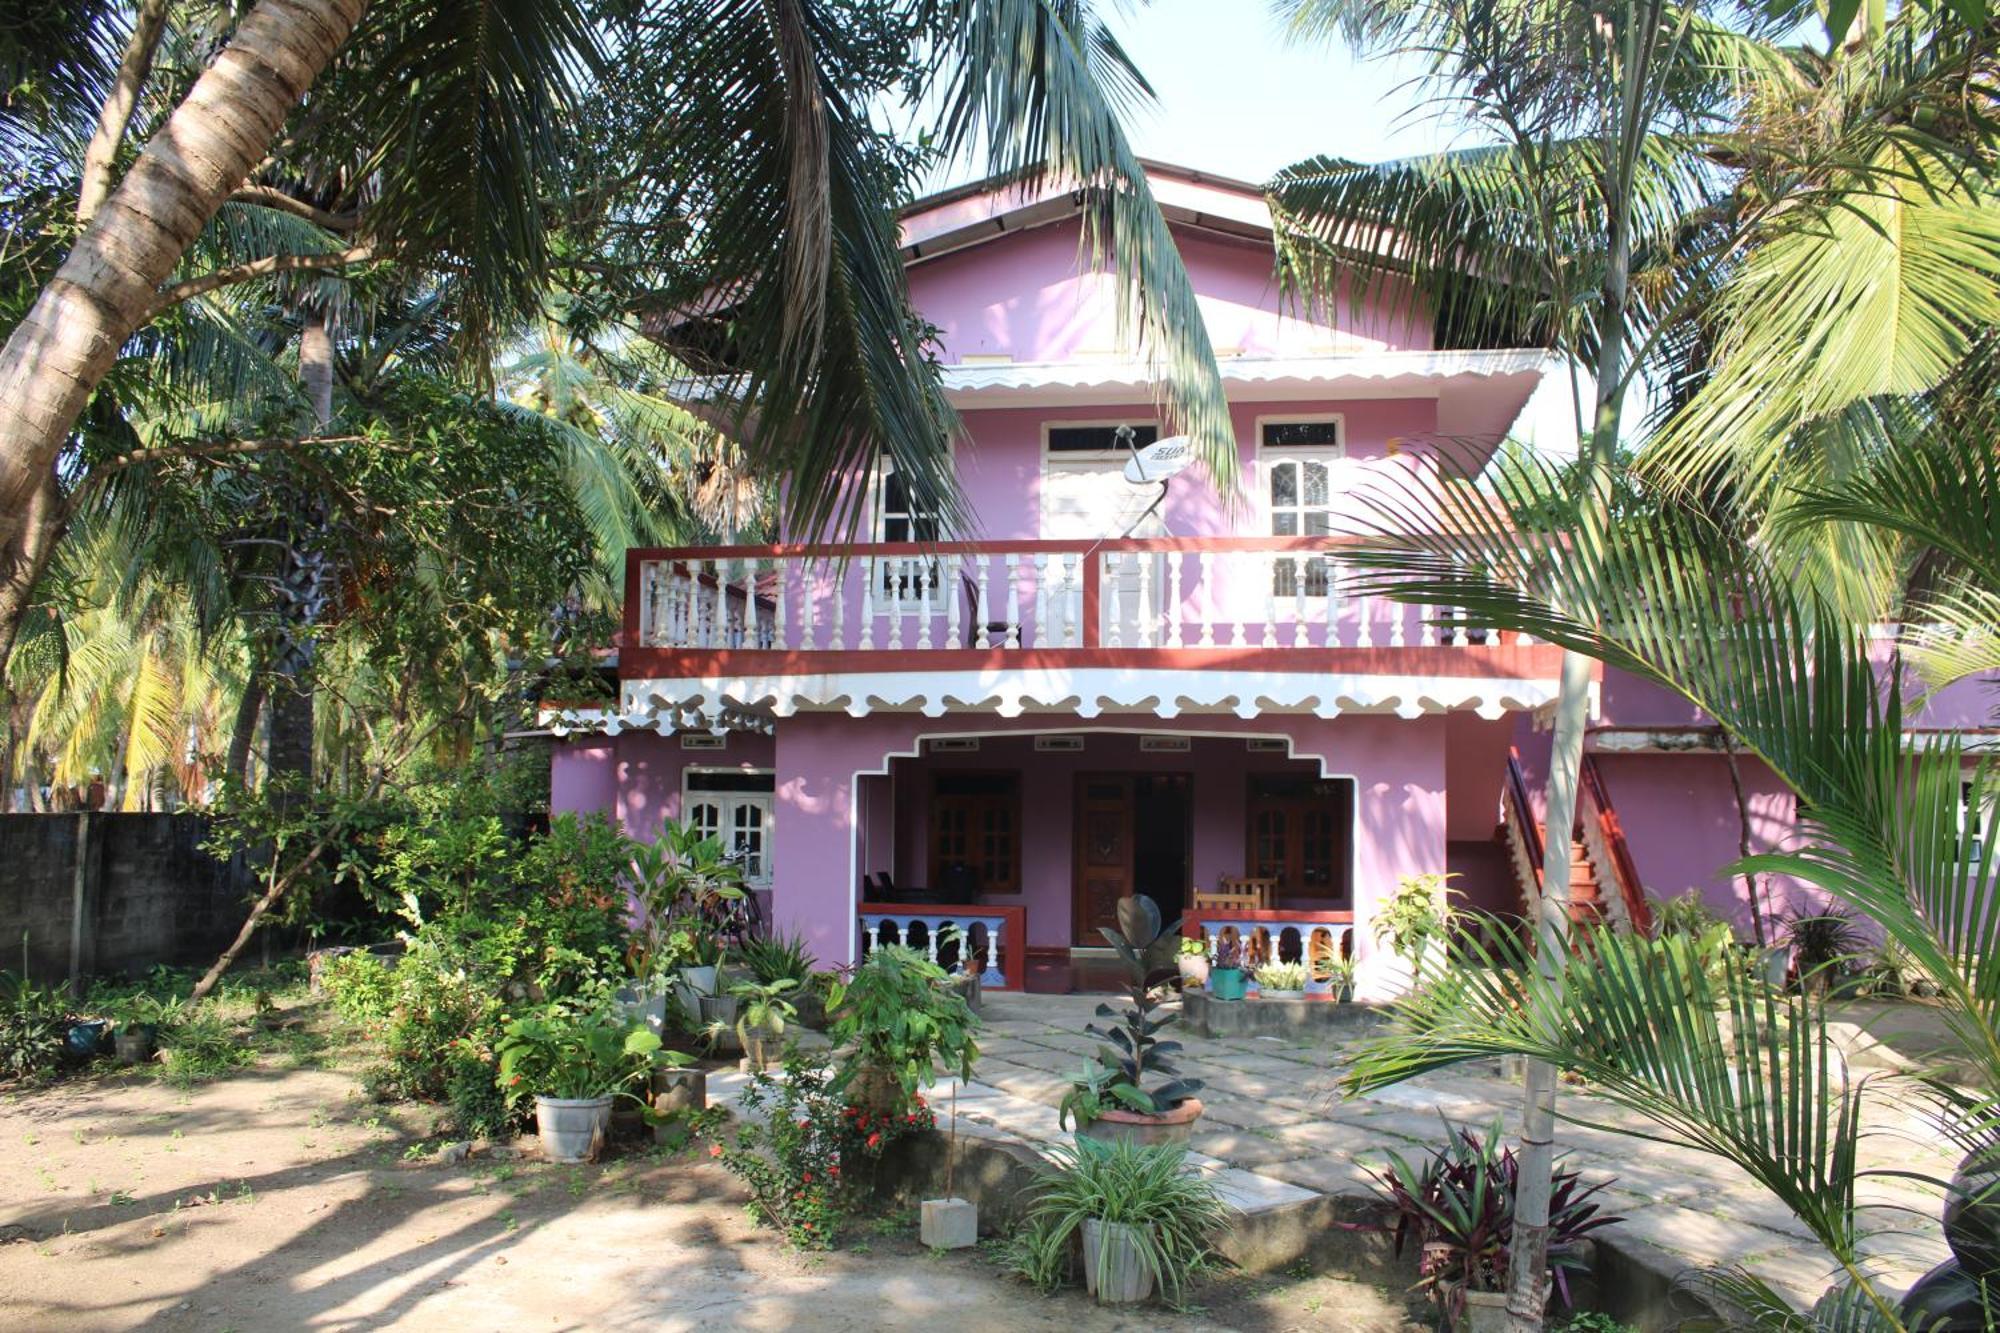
pixel 280 1198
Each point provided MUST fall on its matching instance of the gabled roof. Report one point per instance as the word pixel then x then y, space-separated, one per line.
pixel 984 210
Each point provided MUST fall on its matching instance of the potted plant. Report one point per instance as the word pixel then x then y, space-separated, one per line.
pixel 1193 962
pixel 1225 974
pixel 1129 1051
pixel 1281 981
pixel 140 1019
pixel 903 1021
pixel 1458 1209
pixel 574 1065
pixel 1415 919
pixel 762 1010
pixel 1140 1218
pixel 1332 975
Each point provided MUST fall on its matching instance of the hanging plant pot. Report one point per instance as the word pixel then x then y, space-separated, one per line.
pixel 572 1129
pixel 1114 1264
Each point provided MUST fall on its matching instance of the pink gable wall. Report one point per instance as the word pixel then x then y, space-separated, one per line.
pixel 1033 296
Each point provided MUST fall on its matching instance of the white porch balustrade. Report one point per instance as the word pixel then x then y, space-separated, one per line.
pixel 1190 596
pixel 954 936
pixel 1304 935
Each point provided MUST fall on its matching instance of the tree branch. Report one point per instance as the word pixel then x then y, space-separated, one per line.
pixel 175 293
pixel 219 449
pixel 268 196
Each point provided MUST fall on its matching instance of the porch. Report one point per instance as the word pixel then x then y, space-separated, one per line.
pixel 1010 852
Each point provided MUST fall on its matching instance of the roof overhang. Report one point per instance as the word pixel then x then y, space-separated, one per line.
pixel 1297 378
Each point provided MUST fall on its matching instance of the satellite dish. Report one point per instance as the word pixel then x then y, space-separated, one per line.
pixel 1159 460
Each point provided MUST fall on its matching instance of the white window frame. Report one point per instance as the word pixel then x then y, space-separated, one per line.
pixel 727 803
pixel 1111 455
pixel 878 602
pixel 1269 457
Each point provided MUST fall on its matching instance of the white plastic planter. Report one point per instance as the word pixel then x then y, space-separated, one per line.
pixel 572 1129
pixel 1114 1270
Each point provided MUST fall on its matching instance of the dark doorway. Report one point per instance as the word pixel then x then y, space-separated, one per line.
pixel 1163 825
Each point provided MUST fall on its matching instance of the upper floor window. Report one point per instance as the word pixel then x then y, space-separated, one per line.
pixel 1972 819
pixel 897 516
pixel 1098 439
pixel 1298 458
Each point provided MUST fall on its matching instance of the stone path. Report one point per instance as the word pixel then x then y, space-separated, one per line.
pixel 1276 1130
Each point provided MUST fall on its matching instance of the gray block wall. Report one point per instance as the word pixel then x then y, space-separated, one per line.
pixel 146 891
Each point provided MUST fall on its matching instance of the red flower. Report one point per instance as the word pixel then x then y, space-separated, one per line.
pixel 715 1150
pixel 874 1140
pixel 808 1177
pixel 833 1171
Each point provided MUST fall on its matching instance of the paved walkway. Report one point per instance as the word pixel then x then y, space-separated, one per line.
pixel 1276 1130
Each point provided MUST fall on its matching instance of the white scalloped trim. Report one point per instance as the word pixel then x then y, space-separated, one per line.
pixel 746 703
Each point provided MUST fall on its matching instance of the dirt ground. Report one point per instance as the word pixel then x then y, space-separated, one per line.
pixel 279 1197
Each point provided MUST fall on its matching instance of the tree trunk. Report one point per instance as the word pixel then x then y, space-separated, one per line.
pixel 116 113
pixel 301 591
pixel 57 354
pixel 1528 1248
pixel 1743 838
pixel 243 735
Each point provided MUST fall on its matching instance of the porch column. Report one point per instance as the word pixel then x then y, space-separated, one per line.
pixel 817 834
pixel 1399 818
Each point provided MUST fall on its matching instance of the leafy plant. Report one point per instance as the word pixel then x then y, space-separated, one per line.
pixel 904 1020
pixel 1335 971
pixel 797 1149
pixel 1228 952
pixel 1130 1050
pixel 556 1053
pixel 1416 913
pixel 1825 943
pixel 762 1008
pixel 1458 1210
pixel 1174 1211
pixel 201 1044
pixel 1193 947
pixel 33 1022
pixel 1591 1321
pixel 778 958
pixel 690 901
pixel 1281 977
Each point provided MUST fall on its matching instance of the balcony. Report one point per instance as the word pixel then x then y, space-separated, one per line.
pixel 1196 623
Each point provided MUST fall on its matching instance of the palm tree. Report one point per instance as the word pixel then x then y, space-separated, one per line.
pixel 1598 113
pixel 719 152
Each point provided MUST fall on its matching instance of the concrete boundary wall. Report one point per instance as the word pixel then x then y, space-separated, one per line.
pixel 105 892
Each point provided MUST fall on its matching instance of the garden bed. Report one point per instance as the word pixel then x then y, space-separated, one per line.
pixel 1306 1016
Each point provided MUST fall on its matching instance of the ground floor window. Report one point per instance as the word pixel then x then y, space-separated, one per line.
pixel 736 806
pixel 1299 831
pixel 975 840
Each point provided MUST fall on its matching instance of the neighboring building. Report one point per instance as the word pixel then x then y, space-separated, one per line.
pixel 1038 719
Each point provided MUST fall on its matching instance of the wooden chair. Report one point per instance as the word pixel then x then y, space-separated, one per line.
pixel 1262 889
pixel 1227 902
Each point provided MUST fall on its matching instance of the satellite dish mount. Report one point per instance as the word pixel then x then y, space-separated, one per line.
pixel 1157 462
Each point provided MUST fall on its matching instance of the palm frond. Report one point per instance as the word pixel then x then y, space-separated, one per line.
pixel 1035 83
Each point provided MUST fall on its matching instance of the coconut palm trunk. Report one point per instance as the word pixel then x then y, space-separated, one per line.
pixel 301 588
pixel 107 285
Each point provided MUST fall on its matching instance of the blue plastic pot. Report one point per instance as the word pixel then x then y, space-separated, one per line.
pixel 1226 983
pixel 86 1038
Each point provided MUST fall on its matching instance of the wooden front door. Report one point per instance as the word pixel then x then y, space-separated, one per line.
pixel 1103 852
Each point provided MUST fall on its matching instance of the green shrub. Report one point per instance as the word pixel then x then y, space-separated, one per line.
pixel 471 1088
pixel 778 958
pixel 33 1022
pixel 904 1021
pixel 553 1052
pixel 361 987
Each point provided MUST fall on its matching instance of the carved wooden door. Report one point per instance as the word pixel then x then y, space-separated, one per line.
pixel 1103 852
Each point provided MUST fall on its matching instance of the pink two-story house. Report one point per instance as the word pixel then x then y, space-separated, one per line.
pixel 1006 729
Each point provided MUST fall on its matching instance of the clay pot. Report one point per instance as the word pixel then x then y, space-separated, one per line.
pixel 1118 1125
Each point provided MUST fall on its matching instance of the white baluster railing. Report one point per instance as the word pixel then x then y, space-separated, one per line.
pixel 973 930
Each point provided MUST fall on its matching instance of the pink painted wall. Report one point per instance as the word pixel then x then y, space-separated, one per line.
pixel 1052 307
pixel 583 776
pixel 1000 466
pixel 1399 828
pixel 1630 701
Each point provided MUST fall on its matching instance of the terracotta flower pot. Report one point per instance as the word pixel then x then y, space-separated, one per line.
pixel 1118 1125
